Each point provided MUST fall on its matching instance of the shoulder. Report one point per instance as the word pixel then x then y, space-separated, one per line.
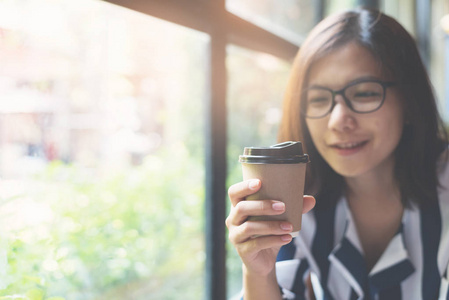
pixel 443 178
pixel 443 163
pixel 443 190
pixel 443 200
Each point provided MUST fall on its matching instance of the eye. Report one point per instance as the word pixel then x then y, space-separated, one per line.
pixel 318 97
pixel 317 100
pixel 364 94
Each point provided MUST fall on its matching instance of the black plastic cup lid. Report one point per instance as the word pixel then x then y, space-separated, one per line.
pixel 283 153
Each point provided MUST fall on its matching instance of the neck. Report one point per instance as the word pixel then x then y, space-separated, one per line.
pixel 375 188
pixel 374 200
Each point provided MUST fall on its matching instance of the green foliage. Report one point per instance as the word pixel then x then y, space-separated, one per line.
pixel 119 235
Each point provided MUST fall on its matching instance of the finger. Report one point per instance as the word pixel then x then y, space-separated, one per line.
pixel 255 245
pixel 251 229
pixel 239 191
pixel 308 203
pixel 244 209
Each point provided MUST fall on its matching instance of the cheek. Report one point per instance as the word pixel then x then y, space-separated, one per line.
pixel 314 129
pixel 390 132
pixel 317 132
pixel 389 121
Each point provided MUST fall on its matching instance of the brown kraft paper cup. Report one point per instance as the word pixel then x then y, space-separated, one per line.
pixel 281 169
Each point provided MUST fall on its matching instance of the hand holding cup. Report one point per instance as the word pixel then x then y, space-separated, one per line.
pixel 258 254
pixel 274 182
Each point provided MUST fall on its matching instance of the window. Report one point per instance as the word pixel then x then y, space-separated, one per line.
pixel 439 54
pixel 106 147
pixel 291 19
pixel 101 153
pixel 257 82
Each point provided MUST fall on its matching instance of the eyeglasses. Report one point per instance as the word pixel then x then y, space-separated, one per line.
pixel 362 96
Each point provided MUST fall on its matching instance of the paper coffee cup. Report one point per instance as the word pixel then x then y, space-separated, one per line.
pixel 282 170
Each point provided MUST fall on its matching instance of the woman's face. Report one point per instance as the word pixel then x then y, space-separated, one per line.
pixel 355 144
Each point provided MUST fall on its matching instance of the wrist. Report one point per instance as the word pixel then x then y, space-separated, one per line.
pixel 257 275
pixel 260 286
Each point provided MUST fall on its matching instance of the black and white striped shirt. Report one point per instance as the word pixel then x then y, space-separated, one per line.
pixel 413 266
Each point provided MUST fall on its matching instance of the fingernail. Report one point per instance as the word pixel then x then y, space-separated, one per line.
pixel 286 226
pixel 253 184
pixel 278 206
pixel 286 238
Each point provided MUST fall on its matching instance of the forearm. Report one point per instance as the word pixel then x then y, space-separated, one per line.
pixel 260 287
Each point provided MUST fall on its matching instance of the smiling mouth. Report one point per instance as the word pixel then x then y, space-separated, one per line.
pixel 347 146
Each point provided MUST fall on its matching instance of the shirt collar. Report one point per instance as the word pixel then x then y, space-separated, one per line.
pixel 347 257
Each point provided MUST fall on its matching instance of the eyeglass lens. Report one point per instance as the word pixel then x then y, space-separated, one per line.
pixel 363 97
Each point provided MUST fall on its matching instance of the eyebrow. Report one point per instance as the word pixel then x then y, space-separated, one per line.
pixel 359 79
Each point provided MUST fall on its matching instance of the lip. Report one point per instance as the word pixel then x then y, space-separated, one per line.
pixel 348 148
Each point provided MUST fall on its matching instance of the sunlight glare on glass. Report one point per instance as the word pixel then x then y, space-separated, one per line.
pixel 289 19
pixel 444 22
pixel 101 152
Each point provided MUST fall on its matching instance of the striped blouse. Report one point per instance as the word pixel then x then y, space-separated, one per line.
pixel 413 266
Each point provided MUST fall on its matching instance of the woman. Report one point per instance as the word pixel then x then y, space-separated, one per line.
pixel 360 100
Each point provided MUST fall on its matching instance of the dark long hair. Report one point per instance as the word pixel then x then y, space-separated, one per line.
pixel 423 138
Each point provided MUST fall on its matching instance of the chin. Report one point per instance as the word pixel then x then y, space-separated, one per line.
pixel 349 172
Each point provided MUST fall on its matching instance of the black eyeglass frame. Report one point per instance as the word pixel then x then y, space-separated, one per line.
pixel 384 84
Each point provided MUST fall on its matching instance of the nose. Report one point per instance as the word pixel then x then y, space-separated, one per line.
pixel 341 117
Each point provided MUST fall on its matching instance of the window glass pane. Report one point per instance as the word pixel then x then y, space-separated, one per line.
pixel 257 82
pixel 333 6
pixel 101 153
pixel 403 11
pixel 290 19
pixel 439 54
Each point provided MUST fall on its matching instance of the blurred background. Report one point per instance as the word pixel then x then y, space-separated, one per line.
pixel 102 138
